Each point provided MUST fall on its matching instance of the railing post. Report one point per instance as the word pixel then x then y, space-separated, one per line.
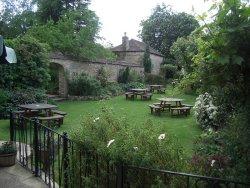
pixel 36 147
pixel 65 158
pixel 11 125
pixel 120 175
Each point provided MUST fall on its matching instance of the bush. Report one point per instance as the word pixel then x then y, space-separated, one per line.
pixel 154 79
pixel 123 75
pixel 102 76
pixel 84 85
pixel 114 89
pixel 22 96
pixel 113 139
pixel 169 70
pixel 31 69
pixel 205 112
pixel 129 86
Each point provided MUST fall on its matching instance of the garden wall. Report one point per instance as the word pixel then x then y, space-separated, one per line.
pixel 73 67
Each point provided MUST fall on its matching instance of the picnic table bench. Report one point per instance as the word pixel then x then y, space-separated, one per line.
pixel 130 95
pixel 59 112
pixel 155 109
pixel 181 110
pixel 57 118
pixel 146 96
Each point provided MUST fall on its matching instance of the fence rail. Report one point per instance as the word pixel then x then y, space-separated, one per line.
pixel 61 162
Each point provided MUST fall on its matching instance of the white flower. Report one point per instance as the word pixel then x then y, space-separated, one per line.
pixel 162 136
pixel 110 142
pixel 96 119
pixel 135 148
pixel 212 163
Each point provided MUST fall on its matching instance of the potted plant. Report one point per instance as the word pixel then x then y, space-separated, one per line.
pixel 7 154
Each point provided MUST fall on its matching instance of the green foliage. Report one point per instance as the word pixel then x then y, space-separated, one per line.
pixel 32 67
pixel 126 75
pixel 169 70
pixel 147 60
pixel 163 28
pixel 74 35
pixel 11 99
pixel 183 50
pixel 102 76
pixel 17 17
pixel 123 75
pixel 154 79
pixel 7 148
pixel 84 85
pixel 113 139
pixel 130 85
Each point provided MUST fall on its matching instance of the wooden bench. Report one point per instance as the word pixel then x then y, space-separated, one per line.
pixel 161 90
pixel 59 112
pixel 146 96
pixel 155 109
pixel 187 105
pixel 130 95
pixel 181 111
pixel 57 118
pixel 163 106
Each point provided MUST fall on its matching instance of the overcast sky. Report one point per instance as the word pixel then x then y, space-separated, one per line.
pixel 119 16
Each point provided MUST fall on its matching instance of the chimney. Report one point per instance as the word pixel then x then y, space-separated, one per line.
pixel 125 42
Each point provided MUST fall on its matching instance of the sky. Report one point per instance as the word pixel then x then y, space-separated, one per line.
pixel 119 16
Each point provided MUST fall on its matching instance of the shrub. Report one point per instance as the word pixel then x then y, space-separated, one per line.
pixel 123 75
pixel 84 84
pixel 169 70
pixel 7 148
pixel 205 111
pixel 113 139
pixel 32 67
pixel 114 89
pixel 154 79
pixel 17 97
pixel 129 86
pixel 102 76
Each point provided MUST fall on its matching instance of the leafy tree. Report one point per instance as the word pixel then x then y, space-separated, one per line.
pixel 147 60
pixel 164 26
pixel 16 17
pixel 183 50
pixel 55 9
pixel 31 69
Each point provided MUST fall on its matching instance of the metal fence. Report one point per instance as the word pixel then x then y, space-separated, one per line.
pixel 61 162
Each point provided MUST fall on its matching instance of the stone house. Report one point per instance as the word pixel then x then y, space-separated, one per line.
pixel 132 51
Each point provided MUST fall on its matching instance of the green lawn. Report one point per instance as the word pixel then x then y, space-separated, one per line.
pixel 136 112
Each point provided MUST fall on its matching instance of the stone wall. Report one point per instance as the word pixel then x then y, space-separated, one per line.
pixel 70 68
pixel 137 59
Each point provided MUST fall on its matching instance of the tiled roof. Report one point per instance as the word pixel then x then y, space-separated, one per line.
pixel 135 46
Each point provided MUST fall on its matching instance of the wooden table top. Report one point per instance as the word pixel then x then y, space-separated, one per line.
pixel 170 99
pixel 138 89
pixel 155 85
pixel 37 106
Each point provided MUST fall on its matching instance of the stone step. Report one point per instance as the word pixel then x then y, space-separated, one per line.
pixel 58 99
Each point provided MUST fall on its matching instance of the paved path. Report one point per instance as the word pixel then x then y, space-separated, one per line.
pixel 18 177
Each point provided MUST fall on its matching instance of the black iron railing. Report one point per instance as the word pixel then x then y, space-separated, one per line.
pixel 61 162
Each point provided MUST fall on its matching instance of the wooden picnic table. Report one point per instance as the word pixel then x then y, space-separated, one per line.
pixel 155 86
pixel 38 106
pixel 170 100
pixel 139 90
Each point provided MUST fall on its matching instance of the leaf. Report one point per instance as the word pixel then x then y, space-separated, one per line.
pixel 237 60
pixel 223 59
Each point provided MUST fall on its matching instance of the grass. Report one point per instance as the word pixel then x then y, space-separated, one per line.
pixel 137 112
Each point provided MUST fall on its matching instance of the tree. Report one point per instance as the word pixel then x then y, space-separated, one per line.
pixel 55 9
pixel 164 26
pixel 183 50
pixel 16 17
pixel 147 60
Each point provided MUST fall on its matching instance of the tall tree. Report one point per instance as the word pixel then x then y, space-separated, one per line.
pixel 147 61
pixel 164 26
pixel 16 17
pixel 54 9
